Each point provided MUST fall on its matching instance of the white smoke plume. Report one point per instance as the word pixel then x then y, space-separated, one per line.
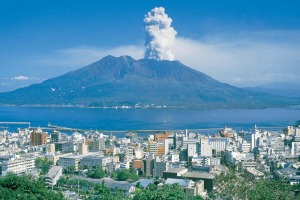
pixel 159 35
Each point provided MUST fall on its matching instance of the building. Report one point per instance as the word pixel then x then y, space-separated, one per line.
pixel 64 147
pixel 149 165
pixel 196 176
pixel 97 144
pixel 70 161
pixel 161 137
pixel 55 136
pixel 18 166
pixel 54 157
pixel 205 147
pixel 160 166
pixel 96 161
pixel 53 175
pixel 82 148
pixel 190 188
pixel 218 144
pixel 244 147
pixel 153 147
pixel 295 150
pixel 192 149
pixel 50 148
pixel 138 165
pixel 37 138
pixel 138 153
pixel 114 185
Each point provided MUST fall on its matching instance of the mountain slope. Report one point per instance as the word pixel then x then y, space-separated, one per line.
pixel 124 81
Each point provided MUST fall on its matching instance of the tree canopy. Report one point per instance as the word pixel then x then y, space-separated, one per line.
pixel 25 187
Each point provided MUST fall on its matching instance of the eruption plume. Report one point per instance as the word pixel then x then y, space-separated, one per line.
pixel 159 35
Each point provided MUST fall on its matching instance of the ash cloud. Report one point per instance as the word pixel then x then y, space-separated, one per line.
pixel 159 35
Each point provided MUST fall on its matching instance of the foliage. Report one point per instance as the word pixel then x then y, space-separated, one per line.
pixel 168 192
pixel 102 192
pixel 74 182
pixel 69 170
pixel 43 164
pixel 97 174
pixel 25 187
pixel 125 174
pixel 242 186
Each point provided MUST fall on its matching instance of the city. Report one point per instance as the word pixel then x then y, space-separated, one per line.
pixel 75 162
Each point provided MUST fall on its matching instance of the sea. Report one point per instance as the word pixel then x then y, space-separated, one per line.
pixel 165 119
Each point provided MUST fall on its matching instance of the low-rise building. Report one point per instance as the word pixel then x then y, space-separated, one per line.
pixel 18 166
pixel 53 175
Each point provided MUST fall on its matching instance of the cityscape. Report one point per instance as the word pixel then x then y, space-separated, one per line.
pixel 149 100
pixel 75 163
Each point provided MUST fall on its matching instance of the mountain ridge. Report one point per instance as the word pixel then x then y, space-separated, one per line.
pixel 118 81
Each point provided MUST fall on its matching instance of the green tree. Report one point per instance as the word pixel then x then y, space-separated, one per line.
pixel 168 192
pixel 25 187
pixel 97 174
pixel 43 164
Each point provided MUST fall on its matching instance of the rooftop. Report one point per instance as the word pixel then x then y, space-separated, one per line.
pixel 200 175
pixel 53 171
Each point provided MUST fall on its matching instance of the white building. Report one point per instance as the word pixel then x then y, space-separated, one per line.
pixel 53 175
pixel 295 150
pixel 218 144
pixel 18 166
pixel 192 149
pixel 205 147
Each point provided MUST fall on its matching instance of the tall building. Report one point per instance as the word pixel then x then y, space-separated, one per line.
pixel 83 148
pixel 192 149
pixel 218 144
pixel 205 147
pixel 97 144
pixel 37 138
pixel 160 166
pixel 149 165
pixel 50 148
pixel 55 136
pixel 161 137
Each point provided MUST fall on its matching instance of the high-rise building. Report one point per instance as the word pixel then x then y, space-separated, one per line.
pixel 50 148
pixel 97 144
pixel 55 136
pixel 192 149
pixel 160 166
pixel 83 148
pixel 37 138
pixel 149 165
pixel 205 147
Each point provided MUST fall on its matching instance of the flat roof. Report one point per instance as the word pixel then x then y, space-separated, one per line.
pixel 53 171
pixel 200 175
pixel 176 170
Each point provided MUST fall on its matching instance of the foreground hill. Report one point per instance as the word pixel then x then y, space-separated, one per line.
pixel 118 81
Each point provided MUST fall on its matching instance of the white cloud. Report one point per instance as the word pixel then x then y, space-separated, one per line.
pixel 244 61
pixel 20 78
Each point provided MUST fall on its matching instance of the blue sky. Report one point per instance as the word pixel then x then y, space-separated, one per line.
pixel 244 43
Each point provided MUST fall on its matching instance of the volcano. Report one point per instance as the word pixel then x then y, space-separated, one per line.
pixel 124 81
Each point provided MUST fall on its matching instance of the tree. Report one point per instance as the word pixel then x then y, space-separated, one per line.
pixel 123 175
pixel 25 187
pixel 167 192
pixel 43 164
pixel 69 170
pixel 97 174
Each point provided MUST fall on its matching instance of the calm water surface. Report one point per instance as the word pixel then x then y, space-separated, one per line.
pixel 149 119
